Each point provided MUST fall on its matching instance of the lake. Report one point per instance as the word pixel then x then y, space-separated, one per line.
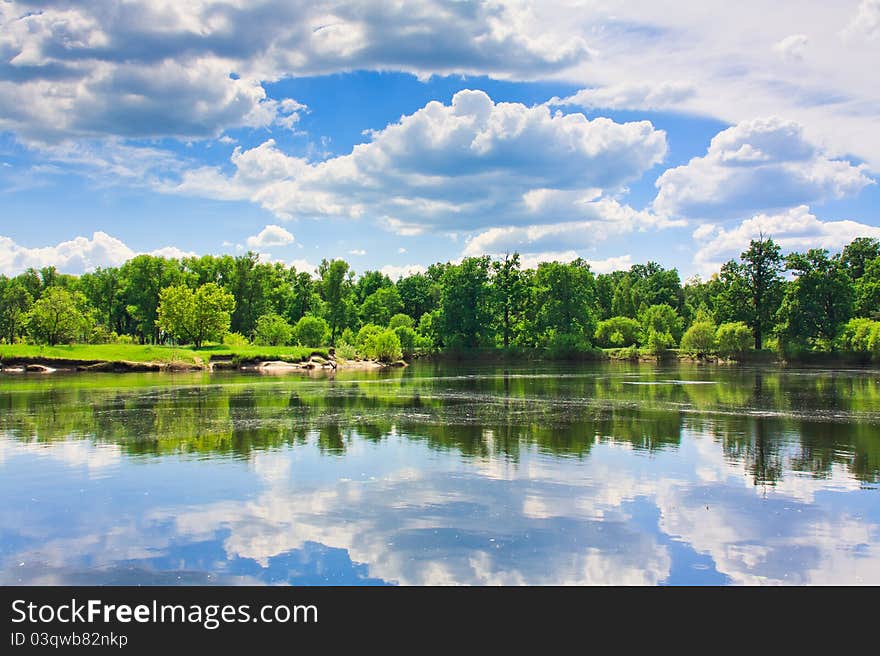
pixel 443 474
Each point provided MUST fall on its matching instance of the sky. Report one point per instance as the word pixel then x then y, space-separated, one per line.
pixel 399 134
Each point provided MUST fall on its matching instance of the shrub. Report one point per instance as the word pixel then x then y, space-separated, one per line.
pixel 401 319
pixel 617 331
pixel 408 339
pixel 346 350
pixel 235 339
pixel 273 330
pixel 385 346
pixel 657 342
pixel 856 335
pixel 661 319
pixel 311 331
pixel 365 335
pixel 733 338
pixel 125 339
pixel 699 338
pixel 567 345
pixel 102 335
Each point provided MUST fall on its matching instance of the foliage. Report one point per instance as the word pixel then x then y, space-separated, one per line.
pixel 195 316
pixel 311 331
pixel 617 331
pixel 699 339
pixel 380 306
pixel 346 350
pixel 384 346
pixel 273 330
pixel 401 319
pixel 733 338
pixel 657 342
pixel 563 297
pixel 58 317
pixel 235 339
pixel 408 339
pixel 662 321
pixel 465 303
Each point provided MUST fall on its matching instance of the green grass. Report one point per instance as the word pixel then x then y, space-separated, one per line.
pixel 149 353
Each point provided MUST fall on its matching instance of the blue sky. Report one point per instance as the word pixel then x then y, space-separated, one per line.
pixel 398 136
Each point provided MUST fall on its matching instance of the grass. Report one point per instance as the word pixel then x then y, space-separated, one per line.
pixel 151 353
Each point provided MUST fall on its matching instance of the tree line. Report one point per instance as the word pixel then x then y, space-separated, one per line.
pixel 812 301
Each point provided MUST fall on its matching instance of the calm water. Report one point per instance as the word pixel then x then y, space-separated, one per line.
pixel 443 475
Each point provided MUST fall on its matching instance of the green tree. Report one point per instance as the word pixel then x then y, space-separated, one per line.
pixel 733 338
pixel 465 303
pixel 401 319
pixel 817 303
pixel 858 254
pixel 195 316
pixel 662 320
pixel 381 305
pixel 617 332
pixel 369 283
pixel 508 296
pixel 419 294
pixel 867 290
pixel 15 302
pixel 142 278
pixel 273 330
pixel 311 331
pixel 385 346
pixel 337 291
pixel 699 338
pixel 58 317
pixel 563 298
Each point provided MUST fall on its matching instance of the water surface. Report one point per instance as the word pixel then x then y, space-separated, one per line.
pixel 621 474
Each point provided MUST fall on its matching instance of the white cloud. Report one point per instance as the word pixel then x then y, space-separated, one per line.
pixel 794 229
pixel 650 96
pixel 75 256
pixel 867 19
pixel 757 165
pixel 792 47
pixel 471 163
pixel 357 251
pixel 396 272
pixel 603 218
pixel 271 235
pixel 151 68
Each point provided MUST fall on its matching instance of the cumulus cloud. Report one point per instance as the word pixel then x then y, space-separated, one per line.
pixel 153 68
pixel 764 164
pixel 794 229
pixel 867 19
pixel 472 162
pixel 396 272
pixel 75 256
pixel 649 96
pixel 271 235
pixel 602 218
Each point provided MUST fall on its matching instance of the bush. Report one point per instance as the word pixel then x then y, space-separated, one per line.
pixel 235 339
pixel 385 346
pixel 409 339
pixel 567 345
pixel 102 335
pixel 273 330
pixel 346 350
pixel 699 339
pixel 733 338
pixel 617 331
pixel 365 335
pixel 401 319
pixel 857 334
pixel 657 342
pixel 663 320
pixel 311 331
pixel 125 339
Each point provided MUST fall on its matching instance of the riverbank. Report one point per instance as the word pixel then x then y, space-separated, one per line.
pixel 123 358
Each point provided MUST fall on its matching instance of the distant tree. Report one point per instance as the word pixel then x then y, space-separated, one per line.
pixel 401 319
pixel 419 294
pixel 563 302
pixel 408 339
pixel 858 254
pixel 381 305
pixel 337 291
pixel 752 290
pixel 195 316
pixel 311 331
pixel 15 301
pixel 58 317
pixel 867 290
pixel 817 303
pixel 369 283
pixel 465 314
pixel 508 296
pixel 142 278
pixel 272 330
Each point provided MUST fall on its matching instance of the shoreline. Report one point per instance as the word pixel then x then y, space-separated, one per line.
pixel 49 365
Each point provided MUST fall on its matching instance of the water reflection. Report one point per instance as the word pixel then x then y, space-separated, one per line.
pixel 440 476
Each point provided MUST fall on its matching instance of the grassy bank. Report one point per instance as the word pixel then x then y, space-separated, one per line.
pixel 150 353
